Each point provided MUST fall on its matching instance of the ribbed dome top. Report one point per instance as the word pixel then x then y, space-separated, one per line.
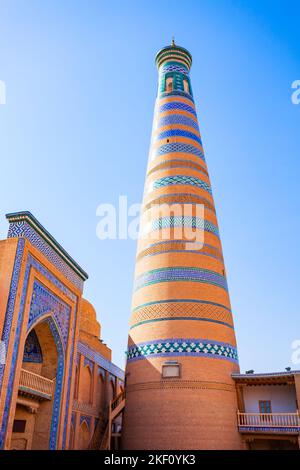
pixel 173 53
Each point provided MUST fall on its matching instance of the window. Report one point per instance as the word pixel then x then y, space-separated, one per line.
pixel 169 84
pixel 19 425
pixel 186 86
pixel 265 406
pixel 170 370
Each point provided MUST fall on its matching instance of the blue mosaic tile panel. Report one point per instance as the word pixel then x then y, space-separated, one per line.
pixel 177 119
pixel 23 229
pixel 178 147
pixel 43 301
pixel 32 262
pixel 182 180
pixel 58 385
pixel 177 105
pixel 182 347
pixel 86 419
pixel 184 94
pixel 178 132
pixel 177 274
pixel 185 221
pixel 11 302
pixel 100 360
pixel 32 349
pixel 172 301
pixel 173 67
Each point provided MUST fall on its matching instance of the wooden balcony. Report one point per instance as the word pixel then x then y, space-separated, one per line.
pixel 35 386
pixel 269 422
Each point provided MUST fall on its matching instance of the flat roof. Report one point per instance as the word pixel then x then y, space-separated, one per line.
pixel 267 377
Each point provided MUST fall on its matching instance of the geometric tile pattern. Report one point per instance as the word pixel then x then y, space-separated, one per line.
pixel 177 93
pixel 177 105
pixel 183 347
pixel 69 380
pixel 100 360
pixel 178 132
pixel 177 54
pixel 181 309
pixel 11 304
pixel 58 383
pixel 173 67
pixel 182 180
pixel 86 419
pixel 43 301
pixel 179 246
pixel 177 119
pixel 33 263
pixel 179 147
pixel 32 349
pixel 180 274
pixel 23 229
pixel 185 221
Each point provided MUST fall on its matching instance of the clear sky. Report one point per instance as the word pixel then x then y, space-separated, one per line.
pixel 75 132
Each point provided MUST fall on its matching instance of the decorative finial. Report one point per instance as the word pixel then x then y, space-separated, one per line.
pixel 173 42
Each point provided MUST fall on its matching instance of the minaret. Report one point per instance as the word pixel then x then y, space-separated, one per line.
pixel 182 346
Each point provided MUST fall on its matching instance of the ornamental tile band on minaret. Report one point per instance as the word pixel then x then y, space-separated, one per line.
pixel 182 346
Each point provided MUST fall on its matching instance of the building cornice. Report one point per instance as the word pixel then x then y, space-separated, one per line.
pixel 266 378
pixel 26 216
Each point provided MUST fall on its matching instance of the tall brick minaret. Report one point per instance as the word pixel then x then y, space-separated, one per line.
pixel 182 346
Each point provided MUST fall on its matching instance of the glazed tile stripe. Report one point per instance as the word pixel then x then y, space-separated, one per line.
pixel 180 198
pixel 185 221
pixel 177 119
pixel 182 180
pixel 169 97
pixel 184 94
pixel 183 347
pixel 181 309
pixel 178 163
pixel 176 54
pixel 180 318
pixel 175 97
pixel 177 105
pixel 179 246
pixel 178 132
pixel 175 301
pixel 174 67
pixel 180 148
pixel 180 274
pixel 179 58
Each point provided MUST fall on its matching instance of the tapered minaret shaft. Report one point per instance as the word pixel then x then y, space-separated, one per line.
pixel 182 347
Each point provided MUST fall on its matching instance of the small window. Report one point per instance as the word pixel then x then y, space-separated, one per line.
pixel 171 370
pixel 169 84
pixel 19 425
pixel 186 86
pixel 265 406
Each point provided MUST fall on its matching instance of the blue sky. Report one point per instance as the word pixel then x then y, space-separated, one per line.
pixel 75 133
